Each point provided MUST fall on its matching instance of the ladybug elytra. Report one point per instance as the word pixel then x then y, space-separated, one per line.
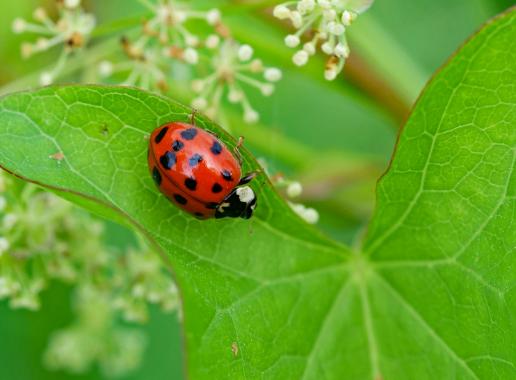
pixel 196 171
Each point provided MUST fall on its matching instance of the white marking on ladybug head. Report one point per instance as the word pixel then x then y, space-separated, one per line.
pixel 245 194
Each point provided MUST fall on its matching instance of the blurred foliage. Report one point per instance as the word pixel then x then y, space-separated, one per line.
pixel 25 337
pixel 109 275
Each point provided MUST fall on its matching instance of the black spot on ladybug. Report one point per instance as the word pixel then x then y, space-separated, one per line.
pixel 212 205
pixel 160 135
pixel 189 134
pixel 216 188
pixel 216 148
pixel 180 199
pixel 199 215
pixel 191 184
pixel 195 159
pixel 177 145
pixel 156 176
pixel 226 174
pixel 168 160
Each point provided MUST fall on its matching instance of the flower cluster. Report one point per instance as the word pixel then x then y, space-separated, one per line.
pixel 95 338
pixel 164 36
pixel 44 238
pixel 232 67
pixel 168 39
pixel 168 26
pixel 292 190
pixel 325 22
pixel 71 31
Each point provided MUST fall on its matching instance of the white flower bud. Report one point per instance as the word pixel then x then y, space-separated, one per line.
pixel 272 74
pixel 213 16
pixel 191 56
pixel 309 47
pixel 198 85
pixel 297 19
pixel 200 103
pixel 105 68
pixel 305 6
pixel 212 41
pixel 336 28
pixel 347 17
pixel 256 66
pixel 300 58
pixel 341 50
pixel 294 189
pixel 19 25
pixel 235 96
pixel 4 245
pixel 324 4
pixel 71 4
pixel 192 40
pixel 267 89
pixel 327 48
pixel 46 79
pixel 153 297
pixel 39 14
pixel 25 301
pixel 329 14
pixel 162 12
pixel 251 116
pixel 9 221
pixel 245 53
pixel 5 288
pixel 138 291
pixel 42 44
pixel 178 16
pixel 330 73
pixel 292 40
pixel 311 216
pixel 281 12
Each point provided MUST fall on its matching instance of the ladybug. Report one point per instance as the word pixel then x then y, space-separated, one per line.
pixel 196 171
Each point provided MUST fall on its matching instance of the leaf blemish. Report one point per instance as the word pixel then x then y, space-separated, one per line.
pixel 59 156
pixel 104 130
pixel 234 349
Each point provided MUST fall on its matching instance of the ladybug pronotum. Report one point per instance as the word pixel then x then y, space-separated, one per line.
pixel 196 171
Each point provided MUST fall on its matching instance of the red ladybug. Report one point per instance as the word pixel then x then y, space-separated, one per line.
pixel 196 171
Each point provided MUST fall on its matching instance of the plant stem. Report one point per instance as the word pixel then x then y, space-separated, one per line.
pixel 82 59
pixel 388 58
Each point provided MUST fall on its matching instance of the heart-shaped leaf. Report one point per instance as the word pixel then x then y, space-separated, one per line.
pixel 431 296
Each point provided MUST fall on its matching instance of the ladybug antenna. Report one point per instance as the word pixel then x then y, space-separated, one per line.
pixel 237 149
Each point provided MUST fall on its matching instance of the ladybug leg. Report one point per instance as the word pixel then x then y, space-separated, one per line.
pixel 248 178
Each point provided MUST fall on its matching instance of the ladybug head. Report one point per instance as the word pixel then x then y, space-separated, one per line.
pixel 240 203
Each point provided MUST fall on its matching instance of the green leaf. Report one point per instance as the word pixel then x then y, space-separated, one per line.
pixel 443 238
pixel 271 297
pixel 444 234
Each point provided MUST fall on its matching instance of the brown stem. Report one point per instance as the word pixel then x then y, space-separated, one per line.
pixel 360 74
